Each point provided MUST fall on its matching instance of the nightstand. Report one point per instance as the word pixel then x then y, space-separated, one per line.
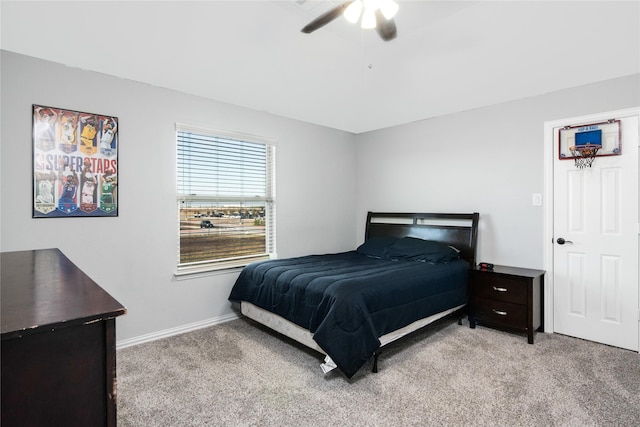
pixel 507 297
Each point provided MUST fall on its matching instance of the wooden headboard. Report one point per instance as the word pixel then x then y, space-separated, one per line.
pixel 455 229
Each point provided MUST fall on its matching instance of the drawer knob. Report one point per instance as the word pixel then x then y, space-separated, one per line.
pixel 501 313
pixel 495 288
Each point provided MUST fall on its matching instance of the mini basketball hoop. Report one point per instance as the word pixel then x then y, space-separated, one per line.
pixel 584 154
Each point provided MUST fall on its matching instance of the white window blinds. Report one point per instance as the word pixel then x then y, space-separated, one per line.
pixel 225 191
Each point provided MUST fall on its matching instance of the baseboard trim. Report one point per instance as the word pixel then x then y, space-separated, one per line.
pixel 130 342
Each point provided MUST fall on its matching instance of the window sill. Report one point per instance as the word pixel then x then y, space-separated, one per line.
pixel 195 271
pixel 204 272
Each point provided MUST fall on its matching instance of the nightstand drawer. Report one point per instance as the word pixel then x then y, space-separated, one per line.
pixel 502 288
pixel 500 313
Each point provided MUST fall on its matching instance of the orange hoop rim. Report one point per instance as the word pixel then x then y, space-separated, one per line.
pixel 585 147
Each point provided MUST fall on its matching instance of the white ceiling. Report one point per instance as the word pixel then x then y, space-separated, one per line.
pixel 449 56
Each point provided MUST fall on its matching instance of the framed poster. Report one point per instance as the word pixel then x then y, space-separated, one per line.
pixel 75 163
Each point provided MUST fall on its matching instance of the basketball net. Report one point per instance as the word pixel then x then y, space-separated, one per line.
pixel 583 155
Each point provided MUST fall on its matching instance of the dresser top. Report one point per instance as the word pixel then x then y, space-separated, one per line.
pixel 513 271
pixel 43 290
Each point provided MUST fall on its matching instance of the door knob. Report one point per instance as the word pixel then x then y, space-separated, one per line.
pixel 561 241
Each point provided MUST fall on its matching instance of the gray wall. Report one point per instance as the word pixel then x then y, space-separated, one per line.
pixel 489 160
pixel 134 255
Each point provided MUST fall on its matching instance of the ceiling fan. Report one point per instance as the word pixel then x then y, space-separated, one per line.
pixel 376 14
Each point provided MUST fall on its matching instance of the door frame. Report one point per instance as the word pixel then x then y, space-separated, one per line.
pixel 548 246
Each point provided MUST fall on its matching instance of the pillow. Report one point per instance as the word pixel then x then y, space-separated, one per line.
pixel 413 249
pixel 376 246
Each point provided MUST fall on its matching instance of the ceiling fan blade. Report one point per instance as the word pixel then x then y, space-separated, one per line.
pixel 386 28
pixel 325 18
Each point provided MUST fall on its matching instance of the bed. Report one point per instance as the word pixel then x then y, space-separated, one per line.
pixel 411 270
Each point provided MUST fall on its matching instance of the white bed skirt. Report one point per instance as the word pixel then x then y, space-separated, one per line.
pixel 303 336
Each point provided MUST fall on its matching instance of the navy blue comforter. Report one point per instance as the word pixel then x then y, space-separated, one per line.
pixel 349 300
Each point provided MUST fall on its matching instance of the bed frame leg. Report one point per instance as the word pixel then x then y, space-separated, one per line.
pixel 375 362
pixel 461 315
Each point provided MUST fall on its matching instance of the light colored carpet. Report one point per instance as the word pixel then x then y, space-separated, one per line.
pixel 241 374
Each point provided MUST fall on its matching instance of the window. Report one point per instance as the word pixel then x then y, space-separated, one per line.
pixel 225 192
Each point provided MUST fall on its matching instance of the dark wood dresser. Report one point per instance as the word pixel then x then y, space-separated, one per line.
pixel 58 343
pixel 507 297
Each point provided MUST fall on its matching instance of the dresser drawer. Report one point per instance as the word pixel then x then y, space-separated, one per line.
pixel 500 313
pixel 501 288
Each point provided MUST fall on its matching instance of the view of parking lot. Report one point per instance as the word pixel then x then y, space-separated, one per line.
pixel 212 235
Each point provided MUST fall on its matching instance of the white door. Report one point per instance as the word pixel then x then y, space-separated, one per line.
pixel 595 271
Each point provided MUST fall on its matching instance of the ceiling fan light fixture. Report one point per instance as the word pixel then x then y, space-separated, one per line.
pixel 369 13
pixel 353 11
pixel 371 4
pixel 389 8
pixel 368 19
